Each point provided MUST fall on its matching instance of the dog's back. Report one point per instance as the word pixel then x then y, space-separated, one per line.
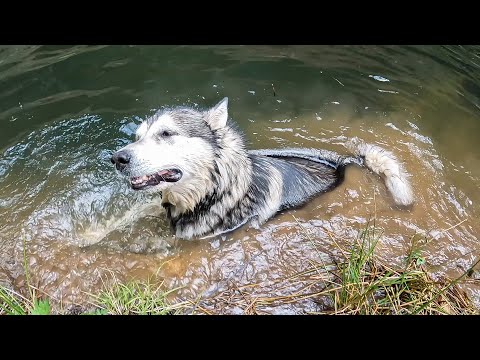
pixel 309 172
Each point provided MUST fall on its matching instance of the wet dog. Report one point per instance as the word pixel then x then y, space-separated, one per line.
pixel 210 183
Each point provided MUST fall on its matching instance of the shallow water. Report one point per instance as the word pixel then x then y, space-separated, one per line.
pixel 63 110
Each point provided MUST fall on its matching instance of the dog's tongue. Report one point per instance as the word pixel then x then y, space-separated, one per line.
pixel 169 175
pixel 163 173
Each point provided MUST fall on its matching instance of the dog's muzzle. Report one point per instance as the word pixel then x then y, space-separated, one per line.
pixel 122 158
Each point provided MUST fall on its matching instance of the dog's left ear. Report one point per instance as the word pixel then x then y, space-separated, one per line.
pixel 217 116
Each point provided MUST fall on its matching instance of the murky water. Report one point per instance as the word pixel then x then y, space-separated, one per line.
pixel 63 110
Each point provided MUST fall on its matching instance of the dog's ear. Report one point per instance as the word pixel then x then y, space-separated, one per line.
pixel 217 116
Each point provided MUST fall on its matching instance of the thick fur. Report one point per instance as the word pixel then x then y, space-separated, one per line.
pixel 224 185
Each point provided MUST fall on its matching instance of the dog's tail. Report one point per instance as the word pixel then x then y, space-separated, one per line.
pixel 385 164
pixel 375 158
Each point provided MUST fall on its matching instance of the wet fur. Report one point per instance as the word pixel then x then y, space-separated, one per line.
pixel 225 185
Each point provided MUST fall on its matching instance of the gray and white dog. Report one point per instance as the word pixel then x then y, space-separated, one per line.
pixel 210 183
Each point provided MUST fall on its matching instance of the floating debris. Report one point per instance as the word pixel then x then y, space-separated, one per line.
pixel 388 91
pixel 339 82
pixel 378 78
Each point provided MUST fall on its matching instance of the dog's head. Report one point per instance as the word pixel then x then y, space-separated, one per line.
pixel 174 149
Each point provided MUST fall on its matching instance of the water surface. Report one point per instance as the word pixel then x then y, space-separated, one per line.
pixel 64 110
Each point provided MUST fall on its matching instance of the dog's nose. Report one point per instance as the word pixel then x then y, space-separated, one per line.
pixel 121 158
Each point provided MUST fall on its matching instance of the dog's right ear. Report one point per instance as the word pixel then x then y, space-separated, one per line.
pixel 217 116
pixel 141 130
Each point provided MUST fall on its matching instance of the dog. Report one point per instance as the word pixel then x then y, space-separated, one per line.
pixel 210 183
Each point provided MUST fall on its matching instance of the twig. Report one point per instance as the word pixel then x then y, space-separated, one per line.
pixel 339 82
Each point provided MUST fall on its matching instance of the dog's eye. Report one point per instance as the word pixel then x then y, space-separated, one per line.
pixel 166 133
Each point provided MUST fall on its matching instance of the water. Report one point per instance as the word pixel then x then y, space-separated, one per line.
pixel 63 110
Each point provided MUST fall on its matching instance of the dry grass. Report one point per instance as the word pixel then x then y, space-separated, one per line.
pixel 116 298
pixel 358 283
pixel 134 298
pixel 14 303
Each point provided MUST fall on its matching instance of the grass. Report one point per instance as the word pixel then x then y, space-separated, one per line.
pixel 367 286
pixel 116 298
pixel 13 303
pixel 134 298
pixel 357 283
pixel 131 298
pixel 354 283
pixel 10 303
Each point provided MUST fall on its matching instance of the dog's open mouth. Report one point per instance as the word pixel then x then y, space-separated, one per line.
pixel 168 175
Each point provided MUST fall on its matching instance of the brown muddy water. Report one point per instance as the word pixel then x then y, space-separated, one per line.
pixel 64 110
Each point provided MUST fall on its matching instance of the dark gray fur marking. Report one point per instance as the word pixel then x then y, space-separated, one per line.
pixel 306 172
